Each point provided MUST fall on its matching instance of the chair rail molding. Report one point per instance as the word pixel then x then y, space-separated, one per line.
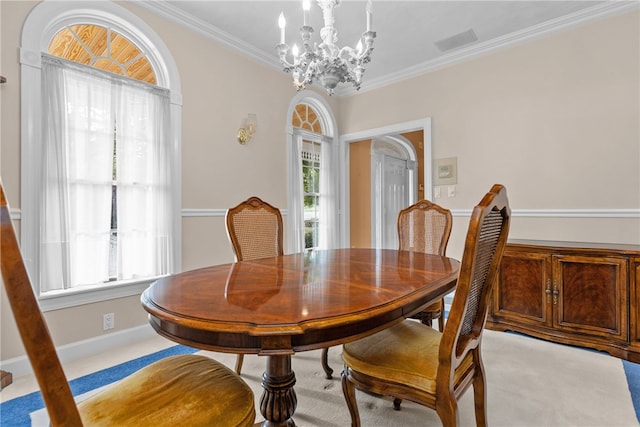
pixel 564 213
pixel 212 212
pixel 524 213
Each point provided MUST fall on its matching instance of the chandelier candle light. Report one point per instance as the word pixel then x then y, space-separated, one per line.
pixel 325 62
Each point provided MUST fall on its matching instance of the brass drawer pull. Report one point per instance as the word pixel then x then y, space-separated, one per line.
pixel 548 290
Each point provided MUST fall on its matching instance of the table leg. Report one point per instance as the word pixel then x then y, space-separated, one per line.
pixel 278 401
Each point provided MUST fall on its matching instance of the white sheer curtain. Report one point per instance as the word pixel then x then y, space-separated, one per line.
pixel 328 208
pixel 328 193
pixel 144 238
pixel 296 203
pixel 84 112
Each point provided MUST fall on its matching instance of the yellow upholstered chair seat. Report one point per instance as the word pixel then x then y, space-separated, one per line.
pixel 188 390
pixel 411 361
pixel 406 353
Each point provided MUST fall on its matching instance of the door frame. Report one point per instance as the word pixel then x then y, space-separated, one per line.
pixel 423 124
pixel 379 160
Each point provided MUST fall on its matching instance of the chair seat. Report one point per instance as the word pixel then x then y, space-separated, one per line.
pixel 406 353
pixel 189 390
pixel 435 308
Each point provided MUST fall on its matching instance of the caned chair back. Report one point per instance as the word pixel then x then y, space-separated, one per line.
pixel 255 229
pixel 424 227
pixel 484 245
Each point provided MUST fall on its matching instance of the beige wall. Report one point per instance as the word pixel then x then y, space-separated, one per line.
pixel 556 120
pixel 219 88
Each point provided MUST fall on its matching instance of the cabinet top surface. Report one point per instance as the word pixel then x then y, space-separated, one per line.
pixel 617 247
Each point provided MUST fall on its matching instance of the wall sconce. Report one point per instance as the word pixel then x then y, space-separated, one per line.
pixel 249 127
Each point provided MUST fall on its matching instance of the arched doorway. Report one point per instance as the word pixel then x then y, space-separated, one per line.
pixel 393 186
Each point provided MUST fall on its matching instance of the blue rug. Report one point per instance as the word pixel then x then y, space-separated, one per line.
pixel 15 412
pixel 632 371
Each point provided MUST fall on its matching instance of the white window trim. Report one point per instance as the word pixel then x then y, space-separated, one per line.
pixel 330 131
pixel 43 22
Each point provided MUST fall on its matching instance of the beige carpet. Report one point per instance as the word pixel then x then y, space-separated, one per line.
pixel 529 383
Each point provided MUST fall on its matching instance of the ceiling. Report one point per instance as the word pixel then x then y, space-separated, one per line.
pixel 408 32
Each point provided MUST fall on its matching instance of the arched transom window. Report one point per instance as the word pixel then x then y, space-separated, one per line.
pixel 305 117
pixel 102 48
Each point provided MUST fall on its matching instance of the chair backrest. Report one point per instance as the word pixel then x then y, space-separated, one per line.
pixel 424 227
pixel 255 229
pixel 484 245
pixel 33 328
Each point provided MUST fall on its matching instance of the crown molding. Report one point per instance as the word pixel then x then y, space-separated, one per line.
pixel 597 12
pixel 544 29
pixel 167 10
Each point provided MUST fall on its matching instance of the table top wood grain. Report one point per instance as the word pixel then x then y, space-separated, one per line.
pixel 296 302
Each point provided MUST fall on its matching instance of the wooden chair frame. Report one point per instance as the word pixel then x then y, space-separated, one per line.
pixel 462 337
pixel 426 207
pixel 253 205
pixel 242 253
pixel 54 387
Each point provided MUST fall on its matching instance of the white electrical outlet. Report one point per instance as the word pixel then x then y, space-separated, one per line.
pixel 108 321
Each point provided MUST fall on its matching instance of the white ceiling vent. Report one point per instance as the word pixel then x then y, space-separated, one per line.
pixel 457 40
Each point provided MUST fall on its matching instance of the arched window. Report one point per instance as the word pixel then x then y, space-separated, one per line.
pixel 305 117
pixel 103 48
pixel 100 162
pixel 313 210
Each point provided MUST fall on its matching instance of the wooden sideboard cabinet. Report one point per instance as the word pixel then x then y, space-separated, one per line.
pixel 584 294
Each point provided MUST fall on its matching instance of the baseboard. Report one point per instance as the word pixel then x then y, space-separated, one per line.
pixel 20 365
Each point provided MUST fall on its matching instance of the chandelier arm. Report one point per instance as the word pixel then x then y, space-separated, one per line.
pixel 283 49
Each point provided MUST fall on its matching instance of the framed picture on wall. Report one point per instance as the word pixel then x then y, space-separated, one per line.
pixel 445 171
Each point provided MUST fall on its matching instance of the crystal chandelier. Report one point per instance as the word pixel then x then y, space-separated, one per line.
pixel 325 62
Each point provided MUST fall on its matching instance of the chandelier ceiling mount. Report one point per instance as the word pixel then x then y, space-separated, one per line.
pixel 325 62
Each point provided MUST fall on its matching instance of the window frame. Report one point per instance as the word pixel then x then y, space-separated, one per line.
pixel 44 21
pixel 328 124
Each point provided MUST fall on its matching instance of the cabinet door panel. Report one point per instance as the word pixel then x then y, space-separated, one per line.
pixel 520 291
pixel 591 295
pixel 634 281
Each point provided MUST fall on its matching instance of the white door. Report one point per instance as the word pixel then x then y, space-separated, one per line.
pixel 395 197
pixel 393 187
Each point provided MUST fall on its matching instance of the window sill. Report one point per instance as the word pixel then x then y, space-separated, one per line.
pixel 87 295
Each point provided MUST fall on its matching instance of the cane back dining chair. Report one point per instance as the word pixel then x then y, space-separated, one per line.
pixel 426 227
pixel 414 361
pixel 189 389
pixel 254 228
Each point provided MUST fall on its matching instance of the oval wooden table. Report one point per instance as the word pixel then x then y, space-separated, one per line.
pixel 278 306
